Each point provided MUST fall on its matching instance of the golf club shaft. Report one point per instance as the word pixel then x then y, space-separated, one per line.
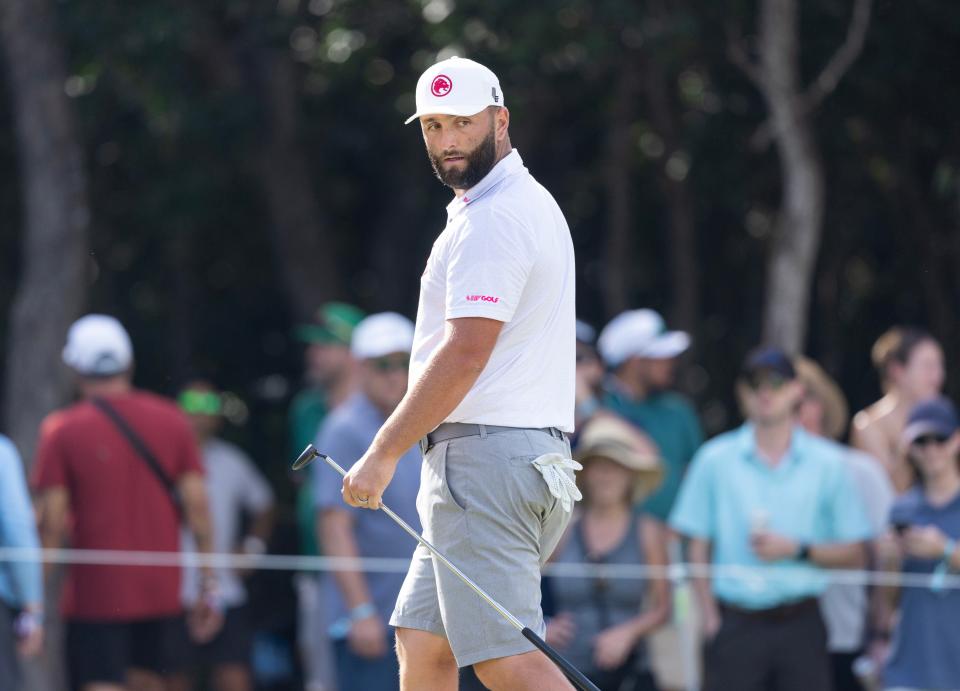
pixel 572 673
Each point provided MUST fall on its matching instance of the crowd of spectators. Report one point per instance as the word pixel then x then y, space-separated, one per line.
pixel 762 514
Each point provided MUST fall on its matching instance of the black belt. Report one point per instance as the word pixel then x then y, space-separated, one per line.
pixel 778 613
pixel 456 430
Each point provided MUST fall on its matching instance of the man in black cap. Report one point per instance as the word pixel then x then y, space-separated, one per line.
pixel 769 506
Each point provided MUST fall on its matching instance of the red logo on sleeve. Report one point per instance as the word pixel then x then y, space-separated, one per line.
pixel 482 298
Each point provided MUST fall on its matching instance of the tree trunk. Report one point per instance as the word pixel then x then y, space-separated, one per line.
pixel 797 233
pixel 682 244
pixel 303 244
pixel 53 272
pixel 619 251
pixel 52 284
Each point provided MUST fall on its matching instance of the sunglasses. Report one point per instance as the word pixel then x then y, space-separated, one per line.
pixel 770 380
pixel 386 365
pixel 927 439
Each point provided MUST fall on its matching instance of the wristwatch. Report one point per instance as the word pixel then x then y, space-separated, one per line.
pixel 803 553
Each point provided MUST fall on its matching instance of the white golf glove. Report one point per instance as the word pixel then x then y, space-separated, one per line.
pixel 554 467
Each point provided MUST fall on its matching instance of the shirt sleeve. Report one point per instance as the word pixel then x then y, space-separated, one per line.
pixel 17 527
pixel 693 513
pixel 344 446
pixel 487 267
pixel 849 522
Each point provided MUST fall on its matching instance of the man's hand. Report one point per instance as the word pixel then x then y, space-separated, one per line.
pixel 711 622
pixel 28 629
pixel 368 637
pixel 773 547
pixel 365 483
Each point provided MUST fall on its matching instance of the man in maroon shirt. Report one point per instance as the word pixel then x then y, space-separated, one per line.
pixel 93 484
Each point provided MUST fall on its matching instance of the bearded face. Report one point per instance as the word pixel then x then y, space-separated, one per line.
pixel 461 170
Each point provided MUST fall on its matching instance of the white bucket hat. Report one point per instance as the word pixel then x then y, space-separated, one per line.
pixel 456 86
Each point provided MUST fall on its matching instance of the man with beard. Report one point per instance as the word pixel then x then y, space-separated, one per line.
pixel 491 395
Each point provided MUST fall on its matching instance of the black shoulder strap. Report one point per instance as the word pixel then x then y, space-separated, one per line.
pixel 142 450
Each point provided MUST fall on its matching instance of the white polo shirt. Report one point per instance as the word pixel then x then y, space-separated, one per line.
pixel 506 254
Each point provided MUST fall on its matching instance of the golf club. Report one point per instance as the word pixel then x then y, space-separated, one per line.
pixel 573 674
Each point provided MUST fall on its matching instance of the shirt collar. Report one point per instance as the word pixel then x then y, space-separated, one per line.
pixel 505 167
pixel 747 443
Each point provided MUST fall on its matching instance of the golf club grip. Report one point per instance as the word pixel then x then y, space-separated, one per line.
pixel 573 674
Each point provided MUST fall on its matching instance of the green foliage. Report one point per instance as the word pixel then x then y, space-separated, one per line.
pixel 171 107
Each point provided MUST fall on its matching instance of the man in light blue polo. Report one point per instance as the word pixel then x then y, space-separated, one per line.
pixel 769 506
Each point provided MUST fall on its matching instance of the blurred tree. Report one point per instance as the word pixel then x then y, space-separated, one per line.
pixel 53 270
pixel 52 277
pixel 799 222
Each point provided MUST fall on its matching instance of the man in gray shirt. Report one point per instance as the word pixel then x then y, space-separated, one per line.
pixel 360 603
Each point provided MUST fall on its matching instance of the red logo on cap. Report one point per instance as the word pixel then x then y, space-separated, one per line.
pixel 441 85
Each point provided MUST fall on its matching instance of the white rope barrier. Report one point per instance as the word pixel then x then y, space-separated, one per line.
pixel 759 576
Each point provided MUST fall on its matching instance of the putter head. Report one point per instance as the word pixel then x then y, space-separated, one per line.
pixel 305 458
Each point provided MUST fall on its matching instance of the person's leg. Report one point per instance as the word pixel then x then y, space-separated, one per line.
pixel 153 653
pixel 841 666
pixel 426 661
pixel 9 664
pixel 145 680
pixel 802 661
pixel 531 671
pixel 232 677
pixel 97 655
pixel 230 651
pixel 739 655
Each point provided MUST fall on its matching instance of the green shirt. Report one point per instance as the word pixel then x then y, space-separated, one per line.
pixel 671 422
pixel 307 411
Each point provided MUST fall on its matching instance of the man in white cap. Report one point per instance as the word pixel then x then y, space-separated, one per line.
pixel 491 395
pixel 359 604
pixel 641 354
pixel 95 481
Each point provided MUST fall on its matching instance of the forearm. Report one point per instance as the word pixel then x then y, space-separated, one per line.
pixel 196 511
pixel 649 620
pixel 52 509
pixel 334 527
pixel 699 552
pixel 841 555
pixel 446 380
pixel 262 524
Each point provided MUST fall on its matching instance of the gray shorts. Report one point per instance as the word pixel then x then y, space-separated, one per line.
pixel 488 510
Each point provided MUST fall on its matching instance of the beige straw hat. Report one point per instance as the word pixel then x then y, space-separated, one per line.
pixel 608 436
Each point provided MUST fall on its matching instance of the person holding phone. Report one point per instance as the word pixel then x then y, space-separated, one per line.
pixel 924 648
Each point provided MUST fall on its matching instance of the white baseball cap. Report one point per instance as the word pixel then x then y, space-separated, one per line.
pixel 98 346
pixel 456 86
pixel 639 333
pixel 381 334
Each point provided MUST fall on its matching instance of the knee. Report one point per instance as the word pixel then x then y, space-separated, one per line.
pixel 425 650
pixel 528 670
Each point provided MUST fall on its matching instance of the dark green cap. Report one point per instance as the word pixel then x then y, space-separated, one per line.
pixel 332 323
